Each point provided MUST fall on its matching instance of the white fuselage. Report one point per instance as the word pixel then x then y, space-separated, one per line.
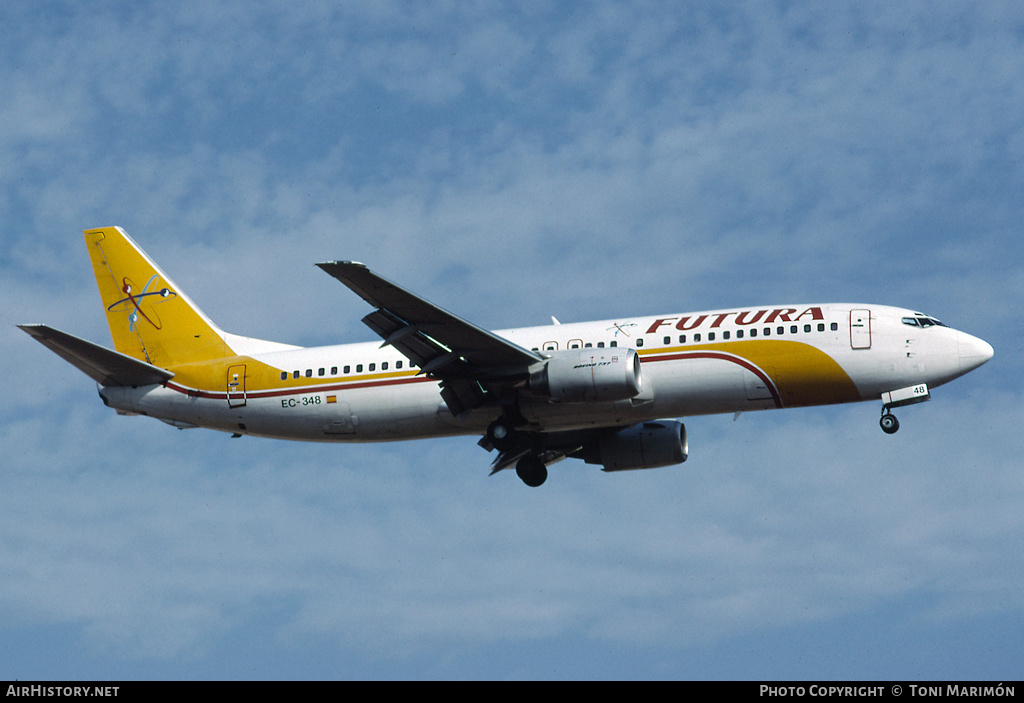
pixel 692 364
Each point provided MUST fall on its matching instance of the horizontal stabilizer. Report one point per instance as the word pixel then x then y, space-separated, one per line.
pixel 105 366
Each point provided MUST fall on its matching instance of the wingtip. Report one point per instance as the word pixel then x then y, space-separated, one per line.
pixel 322 264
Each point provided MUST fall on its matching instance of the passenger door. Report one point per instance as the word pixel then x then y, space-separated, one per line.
pixel 860 329
pixel 236 386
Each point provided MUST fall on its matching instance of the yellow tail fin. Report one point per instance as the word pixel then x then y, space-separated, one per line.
pixel 150 318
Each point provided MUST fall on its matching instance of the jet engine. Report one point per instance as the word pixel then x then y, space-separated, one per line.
pixel 588 375
pixel 649 445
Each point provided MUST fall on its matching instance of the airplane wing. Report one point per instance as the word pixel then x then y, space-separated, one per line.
pixel 467 358
pixel 105 366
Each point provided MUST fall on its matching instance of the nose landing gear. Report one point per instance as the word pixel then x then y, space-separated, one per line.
pixel 897 399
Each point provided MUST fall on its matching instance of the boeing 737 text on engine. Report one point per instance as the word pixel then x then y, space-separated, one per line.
pixel 596 391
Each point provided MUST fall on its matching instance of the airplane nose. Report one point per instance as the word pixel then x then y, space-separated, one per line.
pixel 973 352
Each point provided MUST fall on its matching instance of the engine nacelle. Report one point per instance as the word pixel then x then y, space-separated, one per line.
pixel 588 375
pixel 646 446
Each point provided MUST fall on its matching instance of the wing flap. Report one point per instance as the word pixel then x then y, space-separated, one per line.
pixel 409 339
pixel 105 366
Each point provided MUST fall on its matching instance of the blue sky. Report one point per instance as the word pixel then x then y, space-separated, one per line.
pixel 583 160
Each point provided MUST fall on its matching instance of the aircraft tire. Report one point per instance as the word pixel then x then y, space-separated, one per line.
pixel 498 431
pixel 532 471
pixel 500 435
pixel 889 423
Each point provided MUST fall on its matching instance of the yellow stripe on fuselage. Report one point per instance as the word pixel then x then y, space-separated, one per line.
pixel 211 376
pixel 802 373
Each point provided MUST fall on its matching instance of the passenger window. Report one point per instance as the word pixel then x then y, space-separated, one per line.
pixel 398 364
pixel 639 341
pixel 284 375
pixel 588 345
pixel 321 371
pixel 739 334
pixel 821 326
pixel 334 370
pixel 613 343
pixel 667 341
pixel 696 337
pixel 359 368
pixel 725 335
pixel 834 326
pixel 753 332
pixel 295 374
pixel 780 330
pixel 309 373
pixel 373 367
pixel 807 328
pixel 600 345
pixel 711 336
pixel 347 369
pixel 767 331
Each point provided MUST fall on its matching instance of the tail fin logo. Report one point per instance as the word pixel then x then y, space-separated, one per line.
pixel 136 300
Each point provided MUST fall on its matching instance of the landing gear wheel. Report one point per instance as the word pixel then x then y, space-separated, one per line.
pixel 889 423
pixel 497 431
pixel 500 434
pixel 532 470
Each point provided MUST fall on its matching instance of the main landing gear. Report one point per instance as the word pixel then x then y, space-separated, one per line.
pixel 499 434
pixel 532 470
pixel 530 467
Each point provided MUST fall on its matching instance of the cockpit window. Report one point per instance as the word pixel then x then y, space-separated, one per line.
pixel 921 321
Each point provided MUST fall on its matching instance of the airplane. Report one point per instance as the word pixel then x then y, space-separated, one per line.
pixel 606 392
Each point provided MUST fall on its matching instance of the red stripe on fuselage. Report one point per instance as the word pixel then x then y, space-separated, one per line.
pixel 721 356
pixel 353 385
pixel 301 390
